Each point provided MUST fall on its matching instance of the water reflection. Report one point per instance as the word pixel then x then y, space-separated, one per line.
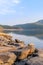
pixel 28 39
pixel 38 34
pixel 35 37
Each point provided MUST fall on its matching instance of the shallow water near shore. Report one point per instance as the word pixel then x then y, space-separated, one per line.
pixel 37 40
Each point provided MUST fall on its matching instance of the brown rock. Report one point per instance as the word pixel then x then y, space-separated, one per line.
pixel 27 51
pixel 31 47
pixel 5 39
pixel 7 48
pixel 24 54
pixel 7 58
pixel 6 35
pixel 18 41
pixel 12 58
pixel 21 45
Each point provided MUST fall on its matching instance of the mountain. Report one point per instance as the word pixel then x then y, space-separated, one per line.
pixel 40 22
pixel 9 27
pixel 37 25
pixel 35 29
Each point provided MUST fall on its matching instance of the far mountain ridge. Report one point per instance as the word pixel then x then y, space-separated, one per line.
pixel 36 25
pixel 40 22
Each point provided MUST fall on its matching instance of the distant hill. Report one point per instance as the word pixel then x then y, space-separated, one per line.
pixel 39 22
pixel 9 27
pixel 37 25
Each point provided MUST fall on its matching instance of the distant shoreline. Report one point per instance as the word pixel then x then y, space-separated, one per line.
pixel 22 29
pixel 13 29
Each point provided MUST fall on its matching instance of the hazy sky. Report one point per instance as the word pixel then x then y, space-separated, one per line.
pixel 20 11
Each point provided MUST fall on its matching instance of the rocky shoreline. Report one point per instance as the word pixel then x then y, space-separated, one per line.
pixel 15 52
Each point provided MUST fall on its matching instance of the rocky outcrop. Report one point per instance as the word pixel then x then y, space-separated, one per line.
pixel 15 52
pixel 5 39
pixel 26 51
pixel 33 59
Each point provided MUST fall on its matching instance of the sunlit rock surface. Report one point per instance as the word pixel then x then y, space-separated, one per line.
pixel 7 58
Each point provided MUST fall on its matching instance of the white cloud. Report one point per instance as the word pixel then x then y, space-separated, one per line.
pixel 6 11
pixel 16 1
pixel 5 6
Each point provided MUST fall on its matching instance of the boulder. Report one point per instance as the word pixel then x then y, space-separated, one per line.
pixel 32 48
pixel 12 58
pixel 24 53
pixel 5 38
pixel 7 58
pixel 29 50
pixel 6 35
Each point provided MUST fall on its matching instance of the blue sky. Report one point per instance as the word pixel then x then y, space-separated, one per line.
pixel 14 12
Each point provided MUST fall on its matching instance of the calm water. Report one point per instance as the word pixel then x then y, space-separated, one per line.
pixel 35 37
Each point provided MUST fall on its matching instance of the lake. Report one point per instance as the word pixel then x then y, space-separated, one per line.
pixel 27 36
